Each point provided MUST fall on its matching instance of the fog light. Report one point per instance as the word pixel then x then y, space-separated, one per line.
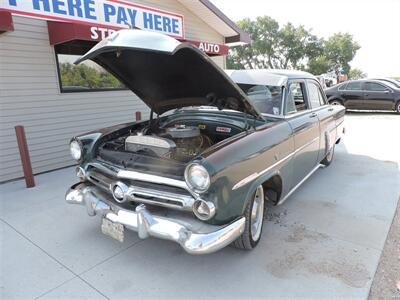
pixel 119 191
pixel 204 210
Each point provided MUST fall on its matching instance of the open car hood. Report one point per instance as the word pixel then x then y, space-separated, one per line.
pixel 167 74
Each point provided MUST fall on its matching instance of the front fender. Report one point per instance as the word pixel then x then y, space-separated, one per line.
pixel 241 166
pixel 91 139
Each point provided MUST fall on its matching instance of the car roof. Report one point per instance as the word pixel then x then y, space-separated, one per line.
pixel 267 76
pixel 381 81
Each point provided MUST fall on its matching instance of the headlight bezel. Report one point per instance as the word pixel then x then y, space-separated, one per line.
pixel 190 183
pixel 79 143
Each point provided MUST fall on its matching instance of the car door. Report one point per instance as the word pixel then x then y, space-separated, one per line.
pixel 378 96
pixel 305 126
pixel 324 112
pixel 353 95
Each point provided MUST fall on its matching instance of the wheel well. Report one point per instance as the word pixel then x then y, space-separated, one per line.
pixel 336 99
pixel 273 188
pixel 397 103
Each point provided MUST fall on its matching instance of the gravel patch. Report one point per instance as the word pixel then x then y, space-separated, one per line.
pixel 386 284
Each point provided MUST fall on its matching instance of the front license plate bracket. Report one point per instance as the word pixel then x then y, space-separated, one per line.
pixel 112 229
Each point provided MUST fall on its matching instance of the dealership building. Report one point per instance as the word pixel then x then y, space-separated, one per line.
pixel 42 90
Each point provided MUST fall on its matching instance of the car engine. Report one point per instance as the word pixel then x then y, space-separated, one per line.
pixel 179 142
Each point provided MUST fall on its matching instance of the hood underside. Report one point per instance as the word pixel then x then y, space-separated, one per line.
pixel 167 74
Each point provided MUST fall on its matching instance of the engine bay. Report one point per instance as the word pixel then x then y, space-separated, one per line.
pixel 178 141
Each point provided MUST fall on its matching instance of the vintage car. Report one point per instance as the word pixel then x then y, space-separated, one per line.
pixel 216 147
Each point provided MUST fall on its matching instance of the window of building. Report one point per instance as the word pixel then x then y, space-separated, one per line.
pixel 295 100
pixel 267 98
pixel 354 86
pixel 376 87
pixel 314 94
pixel 85 77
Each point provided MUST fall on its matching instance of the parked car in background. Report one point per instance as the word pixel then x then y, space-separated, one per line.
pixel 390 80
pixel 369 94
pixel 218 145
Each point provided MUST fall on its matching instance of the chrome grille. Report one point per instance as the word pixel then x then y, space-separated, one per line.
pixel 142 191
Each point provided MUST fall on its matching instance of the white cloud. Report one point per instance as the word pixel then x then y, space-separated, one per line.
pixel 374 24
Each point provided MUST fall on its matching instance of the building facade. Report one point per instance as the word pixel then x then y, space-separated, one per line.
pixel 43 91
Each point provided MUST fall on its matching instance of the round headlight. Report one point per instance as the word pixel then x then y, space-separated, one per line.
pixel 75 150
pixel 197 178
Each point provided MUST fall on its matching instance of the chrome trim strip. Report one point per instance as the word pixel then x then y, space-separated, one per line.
pixel 255 175
pixel 299 184
pixel 306 144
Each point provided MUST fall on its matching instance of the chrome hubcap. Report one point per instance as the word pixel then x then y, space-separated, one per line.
pixel 257 214
pixel 335 103
pixel 329 155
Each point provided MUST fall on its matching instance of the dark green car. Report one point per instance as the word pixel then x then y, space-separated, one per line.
pixel 217 146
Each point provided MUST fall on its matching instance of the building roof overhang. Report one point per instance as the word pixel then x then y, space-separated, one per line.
pixel 214 17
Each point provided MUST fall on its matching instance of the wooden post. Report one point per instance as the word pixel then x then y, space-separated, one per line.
pixel 138 116
pixel 24 154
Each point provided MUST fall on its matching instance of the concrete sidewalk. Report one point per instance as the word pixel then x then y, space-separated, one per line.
pixel 325 241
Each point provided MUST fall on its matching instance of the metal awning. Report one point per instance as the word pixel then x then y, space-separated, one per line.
pixel 62 32
pixel 6 21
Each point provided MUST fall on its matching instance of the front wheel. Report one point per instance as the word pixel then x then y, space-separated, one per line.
pixel 254 215
pixel 329 157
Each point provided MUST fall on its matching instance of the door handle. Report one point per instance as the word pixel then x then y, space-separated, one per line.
pixel 330 109
pixel 366 94
pixel 313 115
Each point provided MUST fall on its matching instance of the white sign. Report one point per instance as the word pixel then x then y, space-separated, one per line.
pixel 113 13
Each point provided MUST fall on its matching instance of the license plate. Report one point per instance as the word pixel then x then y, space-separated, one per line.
pixel 114 230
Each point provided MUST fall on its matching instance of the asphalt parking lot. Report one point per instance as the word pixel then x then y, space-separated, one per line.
pixel 324 241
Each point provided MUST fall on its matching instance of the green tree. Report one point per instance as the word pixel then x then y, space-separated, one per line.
pixel 356 74
pixel 86 76
pixel 340 50
pixel 319 65
pixel 291 47
pixel 274 47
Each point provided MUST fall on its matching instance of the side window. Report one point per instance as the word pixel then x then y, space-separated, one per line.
pixel 342 87
pixel 295 100
pixel 354 86
pixel 267 98
pixel 314 95
pixel 375 87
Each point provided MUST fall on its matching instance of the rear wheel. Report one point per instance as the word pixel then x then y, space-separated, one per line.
pixel 329 157
pixel 254 215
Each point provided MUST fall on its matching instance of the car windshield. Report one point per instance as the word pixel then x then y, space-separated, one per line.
pixel 266 98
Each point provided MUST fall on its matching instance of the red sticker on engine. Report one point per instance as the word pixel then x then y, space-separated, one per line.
pixel 223 129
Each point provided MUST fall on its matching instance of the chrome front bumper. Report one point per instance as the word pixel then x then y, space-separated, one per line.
pixel 194 236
